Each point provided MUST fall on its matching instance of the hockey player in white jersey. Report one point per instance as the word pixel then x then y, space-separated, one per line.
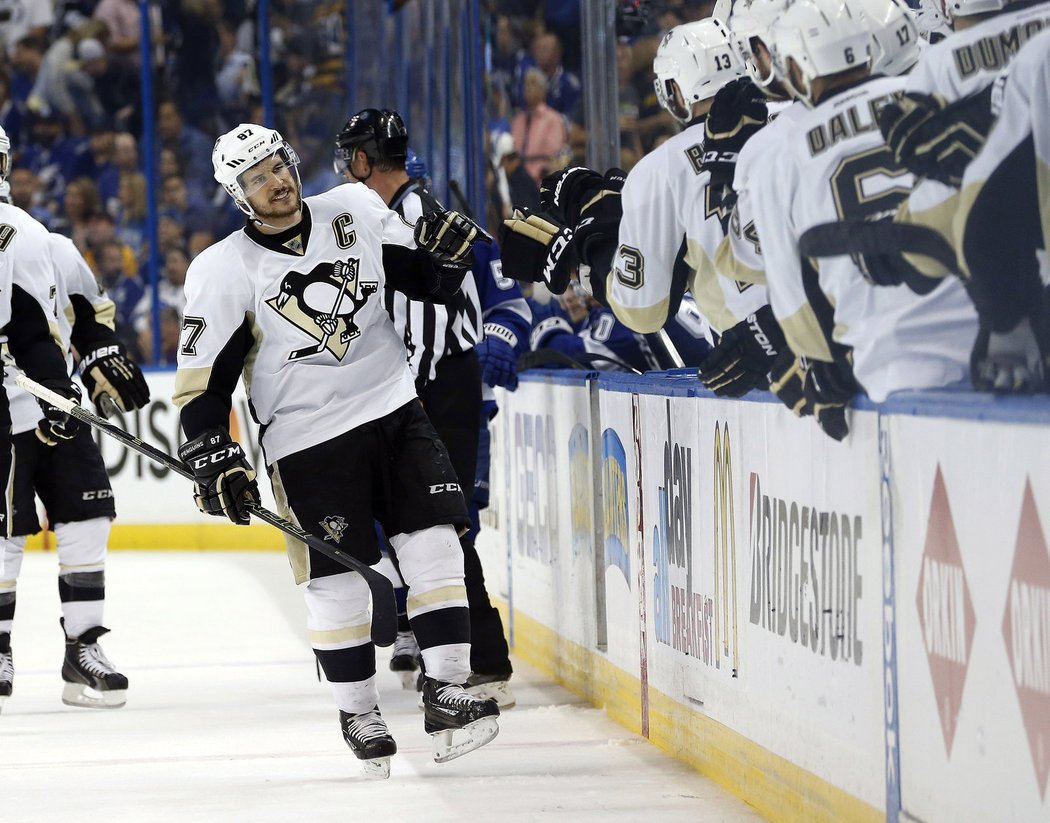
pixel 294 303
pixel 834 163
pixel 744 144
pixel 29 328
pixel 916 246
pixel 649 242
pixel 1002 228
pixel 69 475
pixel 371 148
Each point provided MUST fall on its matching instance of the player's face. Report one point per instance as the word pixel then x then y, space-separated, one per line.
pixel 272 189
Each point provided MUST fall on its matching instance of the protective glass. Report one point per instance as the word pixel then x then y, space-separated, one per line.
pixel 342 159
pixel 273 169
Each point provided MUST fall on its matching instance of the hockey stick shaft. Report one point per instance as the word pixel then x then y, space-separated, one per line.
pixel 304 352
pixel 466 211
pixel 384 609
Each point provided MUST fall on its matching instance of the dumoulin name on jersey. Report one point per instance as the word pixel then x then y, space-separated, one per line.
pixel 968 60
pixel 301 314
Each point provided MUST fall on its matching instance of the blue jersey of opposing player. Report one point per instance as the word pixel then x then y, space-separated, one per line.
pixel 600 341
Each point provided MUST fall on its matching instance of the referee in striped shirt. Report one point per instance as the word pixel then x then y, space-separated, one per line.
pixel 440 341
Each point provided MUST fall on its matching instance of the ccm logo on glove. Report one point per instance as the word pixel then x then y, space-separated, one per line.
pixel 219 456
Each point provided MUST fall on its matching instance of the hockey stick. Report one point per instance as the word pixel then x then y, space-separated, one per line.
pixel 466 211
pixel 342 272
pixel 882 239
pixel 384 609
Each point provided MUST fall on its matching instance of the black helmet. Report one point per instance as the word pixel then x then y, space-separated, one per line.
pixel 379 133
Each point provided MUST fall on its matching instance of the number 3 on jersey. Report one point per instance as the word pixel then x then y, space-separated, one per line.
pixel 630 268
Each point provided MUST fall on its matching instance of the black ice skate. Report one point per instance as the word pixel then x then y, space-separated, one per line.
pixel 7 668
pixel 91 680
pixel 369 739
pixel 404 662
pixel 456 721
pixel 492 687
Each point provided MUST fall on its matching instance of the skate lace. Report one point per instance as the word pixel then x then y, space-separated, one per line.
pixel 366 726
pixel 93 661
pixel 7 666
pixel 454 695
pixel 405 644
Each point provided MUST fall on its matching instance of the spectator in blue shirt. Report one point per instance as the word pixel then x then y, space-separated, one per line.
pixel 191 147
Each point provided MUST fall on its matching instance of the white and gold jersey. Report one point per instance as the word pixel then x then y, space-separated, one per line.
pixel 1025 115
pixel 739 255
pixel 74 284
pixel 301 314
pixel 835 166
pixel 970 59
pixel 25 264
pixel 667 202
pixel 960 65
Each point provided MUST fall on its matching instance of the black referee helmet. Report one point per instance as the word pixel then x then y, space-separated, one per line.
pixel 379 133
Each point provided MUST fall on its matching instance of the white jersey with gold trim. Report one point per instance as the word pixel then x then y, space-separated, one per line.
pixel 834 166
pixel 739 255
pixel 960 65
pixel 25 260
pixel 72 276
pixel 970 59
pixel 1024 115
pixel 301 315
pixel 666 200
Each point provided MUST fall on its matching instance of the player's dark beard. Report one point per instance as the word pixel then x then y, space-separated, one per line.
pixel 280 209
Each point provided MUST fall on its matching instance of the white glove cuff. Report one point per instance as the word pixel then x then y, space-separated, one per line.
pixel 502 332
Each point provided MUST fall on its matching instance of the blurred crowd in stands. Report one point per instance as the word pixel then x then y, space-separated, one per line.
pixel 71 102
pixel 534 89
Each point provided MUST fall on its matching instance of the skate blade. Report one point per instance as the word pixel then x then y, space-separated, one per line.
pixel 452 743
pixel 77 694
pixel 3 699
pixel 378 768
pixel 408 680
pixel 499 691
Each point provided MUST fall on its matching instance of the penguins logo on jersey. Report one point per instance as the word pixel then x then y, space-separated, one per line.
pixel 323 304
pixel 335 526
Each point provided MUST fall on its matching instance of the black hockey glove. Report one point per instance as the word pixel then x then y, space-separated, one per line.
pixel 738 111
pixel 108 371
pixel 538 248
pixel 744 355
pixel 792 381
pixel 224 481
pixel 449 236
pixel 934 139
pixel 829 387
pixel 577 193
pixel 1009 362
pixel 787 380
pixel 56 426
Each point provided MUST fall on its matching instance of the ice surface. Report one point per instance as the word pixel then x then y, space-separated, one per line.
pixel 226 721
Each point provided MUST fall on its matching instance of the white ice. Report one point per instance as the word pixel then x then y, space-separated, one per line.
pixel 226 721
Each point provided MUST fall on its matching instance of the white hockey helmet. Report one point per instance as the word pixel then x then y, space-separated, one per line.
pixel 822 37
pixel 932 21
pixel 749 23
pixel 242 148
pixel 966 8
pixel 894 35
pixel 5 156
pixel 699 57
